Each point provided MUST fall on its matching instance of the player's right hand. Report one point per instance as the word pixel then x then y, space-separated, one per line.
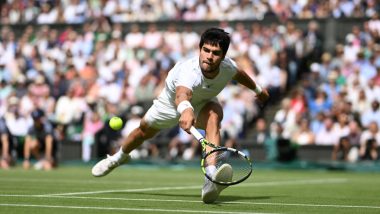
pixel 187 119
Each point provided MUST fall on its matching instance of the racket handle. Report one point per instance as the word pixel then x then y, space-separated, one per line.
pixel 196 133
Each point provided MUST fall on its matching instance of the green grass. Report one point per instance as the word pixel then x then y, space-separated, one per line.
pixel 132 189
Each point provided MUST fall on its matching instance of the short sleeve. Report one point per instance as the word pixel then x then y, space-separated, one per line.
pixel 231 65
pixel 187 79
pixel 188 75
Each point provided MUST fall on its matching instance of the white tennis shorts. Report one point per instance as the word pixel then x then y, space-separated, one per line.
pixel 161 115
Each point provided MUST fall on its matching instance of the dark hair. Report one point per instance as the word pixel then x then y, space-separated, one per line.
pixel 215 36
pixel 37 114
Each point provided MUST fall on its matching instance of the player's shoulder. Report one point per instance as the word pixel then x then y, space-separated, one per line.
pixel 189 62
pixel 186 65
pixel 229 63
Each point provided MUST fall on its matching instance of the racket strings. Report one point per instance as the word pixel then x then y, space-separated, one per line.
pixel 241 166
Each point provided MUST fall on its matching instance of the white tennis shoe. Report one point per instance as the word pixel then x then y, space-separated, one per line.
pixel 210 190
pixel 106 165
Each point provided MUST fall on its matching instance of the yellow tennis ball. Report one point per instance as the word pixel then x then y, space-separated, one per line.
pixel 116 123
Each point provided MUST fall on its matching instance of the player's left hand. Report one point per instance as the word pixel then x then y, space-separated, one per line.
pixel 263 96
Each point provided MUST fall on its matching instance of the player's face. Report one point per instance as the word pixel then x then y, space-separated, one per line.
pixel 210 58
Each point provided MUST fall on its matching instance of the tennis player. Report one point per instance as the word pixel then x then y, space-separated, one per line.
pixel 189 98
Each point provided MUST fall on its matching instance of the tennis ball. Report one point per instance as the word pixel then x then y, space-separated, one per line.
pixel 116 123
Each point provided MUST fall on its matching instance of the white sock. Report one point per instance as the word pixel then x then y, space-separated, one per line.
pixel 119 156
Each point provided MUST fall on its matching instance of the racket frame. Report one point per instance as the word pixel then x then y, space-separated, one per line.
pixel 205 154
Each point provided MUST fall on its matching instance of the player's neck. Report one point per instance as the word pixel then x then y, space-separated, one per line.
pixel 212 74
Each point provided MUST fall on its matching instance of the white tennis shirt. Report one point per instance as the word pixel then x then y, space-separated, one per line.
pixel 187 73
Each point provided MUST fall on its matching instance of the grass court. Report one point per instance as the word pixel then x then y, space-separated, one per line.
pixel 136 189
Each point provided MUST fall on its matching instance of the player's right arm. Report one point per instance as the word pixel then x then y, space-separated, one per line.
pixel 182 100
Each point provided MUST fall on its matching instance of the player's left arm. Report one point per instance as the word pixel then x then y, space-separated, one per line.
pixel 243 78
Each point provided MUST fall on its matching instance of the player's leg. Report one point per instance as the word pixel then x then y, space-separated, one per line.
pixel 133 140
pixel 138 136
pixel 156 118
pixel 209 118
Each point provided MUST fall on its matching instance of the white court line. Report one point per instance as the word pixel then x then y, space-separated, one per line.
pixel 124 209
pixel 70 181
pixel 190 201
pixel 127 190
pixel 273 183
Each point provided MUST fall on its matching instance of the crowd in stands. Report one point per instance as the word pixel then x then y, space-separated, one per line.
pixel 337 103
pixel 81 11
pixel 81 78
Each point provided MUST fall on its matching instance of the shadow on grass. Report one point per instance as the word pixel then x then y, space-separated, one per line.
pixel 177 196
pixel 229 198
pixel 222 198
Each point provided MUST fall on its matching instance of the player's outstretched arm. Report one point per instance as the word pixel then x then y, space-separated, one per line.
pixel 184 107
pixel 243 78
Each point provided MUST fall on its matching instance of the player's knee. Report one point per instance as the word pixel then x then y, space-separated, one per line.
pixel 145 132
pixel 214 117
pixel 215 111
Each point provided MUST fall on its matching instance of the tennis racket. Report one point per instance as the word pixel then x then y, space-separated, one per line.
pixel 219 156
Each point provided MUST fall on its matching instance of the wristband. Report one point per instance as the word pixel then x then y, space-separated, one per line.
pixel 258 89
pixel 184 105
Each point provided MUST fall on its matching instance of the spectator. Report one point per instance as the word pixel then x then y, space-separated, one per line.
pixel 278 146
pixel 361 103
pixel 319 104
pixel 344 146
pixel 313 42
pixel 286 116
pixel 371 114
pixel 152 39
pixel 327 135
pixel 40 138
pixel 17 123
pixel 331 88
pixel 372 91
pixel 354 134
pixel 317 122
pixel 134 38
pixel 298 102
pixel 261 133
pixel 92 124
pixel 312 81
pixel 6 145
pixel 75 12
pixel 303 135
pixel 376 78
pixel 369 142
pixel 48 14
pixel 341 126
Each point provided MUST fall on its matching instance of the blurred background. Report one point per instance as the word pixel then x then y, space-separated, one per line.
pixel 67 67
